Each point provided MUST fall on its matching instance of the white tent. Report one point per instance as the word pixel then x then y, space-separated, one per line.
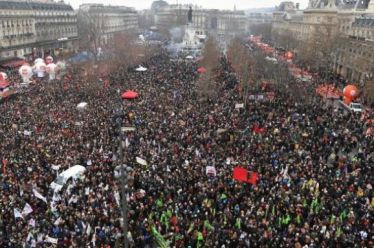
pixel 141 68
pixel 82 105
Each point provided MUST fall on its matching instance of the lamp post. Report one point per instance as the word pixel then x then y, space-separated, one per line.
pixel 122 180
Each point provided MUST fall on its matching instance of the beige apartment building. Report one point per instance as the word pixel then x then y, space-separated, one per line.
pixel 17 29
pixel 351 24
pixel 107 20
pixel 35 28
pixel 223 24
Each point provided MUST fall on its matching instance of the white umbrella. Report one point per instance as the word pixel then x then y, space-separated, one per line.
pixel 189 57
pixel 82 106
pixel 141 68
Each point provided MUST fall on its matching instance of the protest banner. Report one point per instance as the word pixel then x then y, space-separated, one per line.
pixel 211 170
pixel 141 161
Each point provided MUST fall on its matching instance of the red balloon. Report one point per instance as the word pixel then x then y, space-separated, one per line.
pixel 289 55
pixel 350 93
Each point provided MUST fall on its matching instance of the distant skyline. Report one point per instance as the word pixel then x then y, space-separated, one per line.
pixel 211 4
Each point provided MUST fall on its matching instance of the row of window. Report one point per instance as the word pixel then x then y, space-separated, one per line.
pixel 17 22
pixel 57 31
pixel 368 34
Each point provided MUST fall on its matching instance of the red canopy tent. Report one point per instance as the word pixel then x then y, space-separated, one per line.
pixel 201 70
pixel 129 95
pixel 13 63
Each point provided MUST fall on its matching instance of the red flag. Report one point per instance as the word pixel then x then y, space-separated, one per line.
pixel 106 83
pixel 240 174
pixel 253 178
pixel 5 162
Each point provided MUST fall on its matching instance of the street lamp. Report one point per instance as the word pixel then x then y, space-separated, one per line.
pixel 121 172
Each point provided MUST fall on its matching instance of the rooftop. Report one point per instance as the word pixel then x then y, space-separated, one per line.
pixel 34 5
pixel 366 21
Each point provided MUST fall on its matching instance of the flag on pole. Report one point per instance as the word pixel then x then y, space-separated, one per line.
pixel 160 241
pixel 240 174
pixel 26 210
pixel 17 213
pixel 5 163
pixel 31 222
pixel 39 196
pixel 253 178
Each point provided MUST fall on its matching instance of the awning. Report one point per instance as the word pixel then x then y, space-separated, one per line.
pixel 13 63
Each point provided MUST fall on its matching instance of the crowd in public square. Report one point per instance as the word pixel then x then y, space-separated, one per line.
pixel 314 165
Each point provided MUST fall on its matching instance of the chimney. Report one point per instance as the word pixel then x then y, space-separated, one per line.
pixel 297 6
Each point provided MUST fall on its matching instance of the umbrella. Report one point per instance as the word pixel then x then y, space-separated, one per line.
pixel 189 57
pixel 82 105
pixel 129 95
pixel 201 70
pixel 141 68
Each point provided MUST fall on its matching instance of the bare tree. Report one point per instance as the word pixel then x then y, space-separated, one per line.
pixel 243 64
pixel 210 54
pixel 368 92
pixel 262 29
pixel 318 51
pixel 284 40
pixel 91 26
pixel 210 61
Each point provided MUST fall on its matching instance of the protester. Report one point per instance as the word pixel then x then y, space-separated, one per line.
pixel 314 165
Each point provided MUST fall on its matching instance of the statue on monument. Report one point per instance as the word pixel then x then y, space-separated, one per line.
pixel 190 15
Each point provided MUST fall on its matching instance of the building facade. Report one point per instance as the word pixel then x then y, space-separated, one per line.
pixel 36 28
pixel 106 21
pixel 352 25
pixel 223 24
pixel 56 28
pixel 17 29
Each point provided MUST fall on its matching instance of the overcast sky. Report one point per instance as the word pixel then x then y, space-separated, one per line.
pixel 217 4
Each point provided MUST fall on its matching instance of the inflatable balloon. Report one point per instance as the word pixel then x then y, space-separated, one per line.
pixel 51 70
pixel 60 69
pixel 48 60
pixel 38 60
pixel 40 69
pixel 350 93
pixel 26 73
pixel 289 55
pixel 3 76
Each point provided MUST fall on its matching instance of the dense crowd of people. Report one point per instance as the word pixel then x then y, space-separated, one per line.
pixel 315 165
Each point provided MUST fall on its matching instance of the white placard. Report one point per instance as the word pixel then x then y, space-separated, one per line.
pixel 141 161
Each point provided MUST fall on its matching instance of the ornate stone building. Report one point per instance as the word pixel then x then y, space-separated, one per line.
pixel 350 22
pixel 106 21
pixel 223 24
pixel 35 28
pixel 17 29
pixel 56 28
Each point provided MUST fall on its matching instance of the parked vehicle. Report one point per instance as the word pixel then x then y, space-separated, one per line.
pixel 353 106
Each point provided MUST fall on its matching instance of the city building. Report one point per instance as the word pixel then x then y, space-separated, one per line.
pixel 222 24
pixel 17 29
pixel 35 28
pixel 105 21
pixel 56 28
pixel 350 22
pixel 255 18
